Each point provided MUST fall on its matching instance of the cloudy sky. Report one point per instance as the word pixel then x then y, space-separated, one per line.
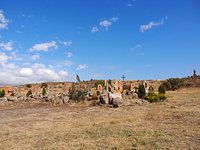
pixel 51 40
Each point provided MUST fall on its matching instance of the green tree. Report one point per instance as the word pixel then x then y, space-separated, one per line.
pixel 77 94
pixel 28 85
pixel 44 92
pixel 2 93
pixel 162 89
pixel 141 91
pixel 44 85
pixel 173 84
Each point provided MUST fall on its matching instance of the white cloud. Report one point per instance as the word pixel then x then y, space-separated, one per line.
pixel 7 46
pixel 3 58
pixel 44 46
pixel 3 21
pixel 94 29
pixel 47 73
pixel 114 19
pixel 37 66
pixel 9 65
pixel 26 72
pixel 150 25
pixel 68 54
pixel 136 47
pixel 67 43
pixel 35 73
pixel 35 57
pixel 63 73
pixel 82 67
pixel 105 24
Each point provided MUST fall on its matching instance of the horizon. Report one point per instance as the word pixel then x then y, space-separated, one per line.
pixel 53 41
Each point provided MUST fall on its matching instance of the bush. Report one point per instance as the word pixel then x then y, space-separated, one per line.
pixel 28 85
pixel 151 88
pixel 28 93
pixel 76 95
pixel 44 85
pixel 44 92
pixel 153 97
pixel 2 93
pixel 141 91
pixel 173 84
pixel 102 82
pixel 162 89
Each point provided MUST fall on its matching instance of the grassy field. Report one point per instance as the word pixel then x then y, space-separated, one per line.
pixel 173 124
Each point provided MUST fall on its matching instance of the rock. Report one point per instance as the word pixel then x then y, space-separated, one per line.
pixel 102 101
pixel 12 99
pixel 66 99
pixel 3 101
pixel 116 103
pixel 21 98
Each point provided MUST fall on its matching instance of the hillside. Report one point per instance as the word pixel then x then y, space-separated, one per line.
pixel 173 124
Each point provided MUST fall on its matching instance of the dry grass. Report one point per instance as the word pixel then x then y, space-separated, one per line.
pixel 174 124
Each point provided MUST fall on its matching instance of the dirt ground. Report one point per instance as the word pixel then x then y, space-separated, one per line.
pixel 173 124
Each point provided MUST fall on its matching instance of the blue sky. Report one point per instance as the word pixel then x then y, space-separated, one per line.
pixel 55 40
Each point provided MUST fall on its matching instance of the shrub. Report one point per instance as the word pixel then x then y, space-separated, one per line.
pixel 151 88
pixel 102 82
pixel 28 85
pixel 44 85
pixel 153 97
pixel 173 84
pixel 77 95
pixel 141 91
pixel 2 93
pixel 28 93
pixel 44 92
pixel 161 89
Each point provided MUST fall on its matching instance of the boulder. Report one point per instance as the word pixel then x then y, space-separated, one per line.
pixel 116 103
pixel 12 99
pixel 102 101
pixel 21 98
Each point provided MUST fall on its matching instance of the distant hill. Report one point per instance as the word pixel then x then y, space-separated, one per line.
pixel 191 82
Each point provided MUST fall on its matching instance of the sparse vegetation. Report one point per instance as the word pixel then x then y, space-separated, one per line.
pixel 153 97
pixel 141 91
pixel 173 84
pixel 77 94
pixel 44 92
pixel 2 93
pixel 44 85
pixel 154 127
pixel 102 82
pixel 162 89
pixel 28 85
